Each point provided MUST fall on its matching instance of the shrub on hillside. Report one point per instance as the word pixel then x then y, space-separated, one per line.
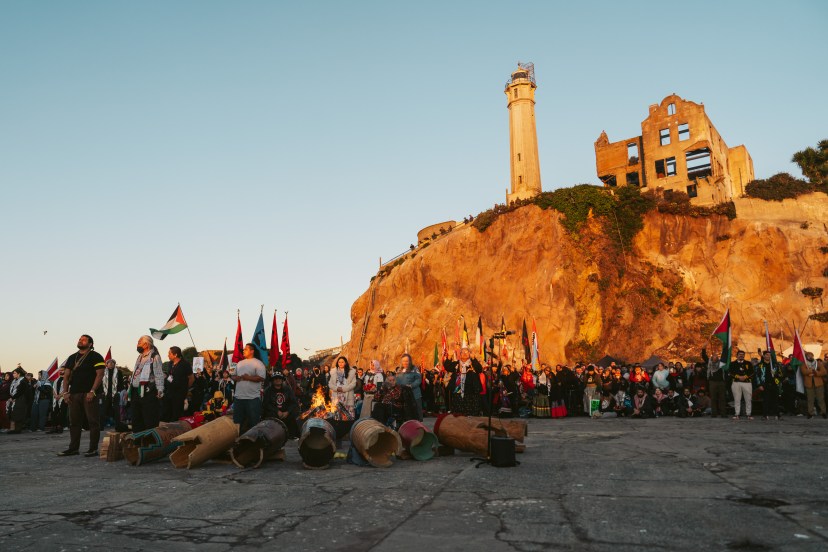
pixel 781 186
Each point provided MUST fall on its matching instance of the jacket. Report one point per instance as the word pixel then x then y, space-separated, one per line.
pixel 813 377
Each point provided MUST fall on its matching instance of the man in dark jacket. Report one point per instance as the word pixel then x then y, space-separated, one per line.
pixel 279 402
pixel 768 380
pixel 642 405
pixel 178 383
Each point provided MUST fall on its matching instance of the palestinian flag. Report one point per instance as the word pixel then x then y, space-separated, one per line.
pixel 53 371
pixel 175 324
pixel 238 356
pixel 108 356
pixel 769 348
pixel 723 334
pixel 797 362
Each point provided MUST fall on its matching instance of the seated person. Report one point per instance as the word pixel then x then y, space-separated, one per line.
pixel 623 403
pixel 662 405
pixel 606 408
pixel 703 402
pixel 279 402
pixel 388 402
pixel 215 407
pixel 642 403
pixel 687 407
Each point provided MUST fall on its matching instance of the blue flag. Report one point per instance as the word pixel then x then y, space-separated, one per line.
pixel 259 340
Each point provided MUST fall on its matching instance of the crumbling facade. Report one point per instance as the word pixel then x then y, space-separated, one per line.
pixel 679 149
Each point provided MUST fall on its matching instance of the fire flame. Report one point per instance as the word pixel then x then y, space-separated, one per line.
pixel 322 408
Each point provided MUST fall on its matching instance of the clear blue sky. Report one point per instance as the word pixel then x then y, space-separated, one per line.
pixel 233 154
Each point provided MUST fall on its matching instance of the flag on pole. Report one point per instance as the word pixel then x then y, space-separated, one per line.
pixel 769 348
pixel 259 342
pixel 444 344
pixel 436 356
pixel 224 361
pixel 273 358
pixel 478 340
pixel 238 356
pixel 285 344
pixel 175 324
pixel 422 372
pixel 723 334
pixel 464 340
pixel 798 361
pixel 535 348
pixel 108 356
pixel 53 371
pixel 524 339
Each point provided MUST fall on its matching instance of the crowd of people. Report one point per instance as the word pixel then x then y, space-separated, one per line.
pixel 92 393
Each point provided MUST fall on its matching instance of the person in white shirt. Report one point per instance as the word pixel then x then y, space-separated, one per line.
pixel 247 404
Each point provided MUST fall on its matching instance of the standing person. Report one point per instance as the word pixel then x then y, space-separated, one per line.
pixel 18 391
pixel 178 383
pixel 813 374
pixel 200 386
pixel 316 380
pixel 742 372
pixel 409 376
pixel 465 389
pixel 60 410
pixel 592 388
pixel 146 386
pixel 557 404
pixel 5 397
pixel 84 372
pixel 110 403
pixel 342 381
pixel 716 377
pixel 247 403
pixel 42 404
pixel 768 381
pixel 226 386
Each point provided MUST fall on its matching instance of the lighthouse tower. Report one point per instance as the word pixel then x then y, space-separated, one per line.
pixel 523 138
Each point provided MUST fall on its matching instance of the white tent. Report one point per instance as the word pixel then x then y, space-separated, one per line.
pixel 815 348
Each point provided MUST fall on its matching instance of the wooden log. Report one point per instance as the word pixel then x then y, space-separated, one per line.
pixel 205 443
pixel 262 442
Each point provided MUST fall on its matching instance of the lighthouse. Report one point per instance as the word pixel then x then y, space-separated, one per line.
pixel 523 137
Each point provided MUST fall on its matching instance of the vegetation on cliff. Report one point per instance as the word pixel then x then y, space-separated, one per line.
pixel 813 162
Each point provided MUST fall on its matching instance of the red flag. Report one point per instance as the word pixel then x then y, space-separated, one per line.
pixel 53 372
pixel 273 360
pixel 524 339
pixel 239 347
pixel 108 356
pixel 444 344
pixel 285 344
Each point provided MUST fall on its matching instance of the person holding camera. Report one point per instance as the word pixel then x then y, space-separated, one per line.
pixel 146 387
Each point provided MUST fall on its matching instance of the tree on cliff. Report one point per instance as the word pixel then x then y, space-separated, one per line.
pixel 814 163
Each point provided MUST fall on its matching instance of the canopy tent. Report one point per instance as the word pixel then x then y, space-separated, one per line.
pixel 653 361
pixel 607 360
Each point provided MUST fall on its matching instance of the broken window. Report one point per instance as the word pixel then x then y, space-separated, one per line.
pixel 692 190
pixel 659 167
pixel 671 166
pixel 683 132
pixel 632 153
pixel 609 180
pixel 664 134
pixel 632 179
pixel 671 109
pixel 698 163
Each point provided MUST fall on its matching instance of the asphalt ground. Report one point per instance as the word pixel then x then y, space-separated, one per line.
pixel 615 485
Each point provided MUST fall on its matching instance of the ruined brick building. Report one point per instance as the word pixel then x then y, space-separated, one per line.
pixel 679 149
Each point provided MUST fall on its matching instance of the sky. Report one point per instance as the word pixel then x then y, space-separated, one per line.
pixel 229 155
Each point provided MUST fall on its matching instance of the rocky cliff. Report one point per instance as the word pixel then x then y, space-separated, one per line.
pixel 661 294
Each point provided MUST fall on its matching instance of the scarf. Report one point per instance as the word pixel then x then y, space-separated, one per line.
pixel 42 382
pixel 14 385
pixel 639 401
pixel 460 381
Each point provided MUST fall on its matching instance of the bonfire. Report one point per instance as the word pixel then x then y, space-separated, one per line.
pixel 325 409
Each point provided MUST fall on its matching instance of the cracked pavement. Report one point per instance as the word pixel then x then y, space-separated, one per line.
pixel 582 484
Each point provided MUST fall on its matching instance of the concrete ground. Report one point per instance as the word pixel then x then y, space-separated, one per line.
pixel 615 485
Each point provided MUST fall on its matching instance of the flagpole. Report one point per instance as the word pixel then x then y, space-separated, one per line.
pixel 191 338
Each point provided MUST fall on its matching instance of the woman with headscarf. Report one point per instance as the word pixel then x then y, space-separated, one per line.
pixel 341 383
pixel 409 376
pixel 18 390
pixel 465 384
pixel 42 402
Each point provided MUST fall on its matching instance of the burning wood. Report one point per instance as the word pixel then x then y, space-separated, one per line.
pixel 327 410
